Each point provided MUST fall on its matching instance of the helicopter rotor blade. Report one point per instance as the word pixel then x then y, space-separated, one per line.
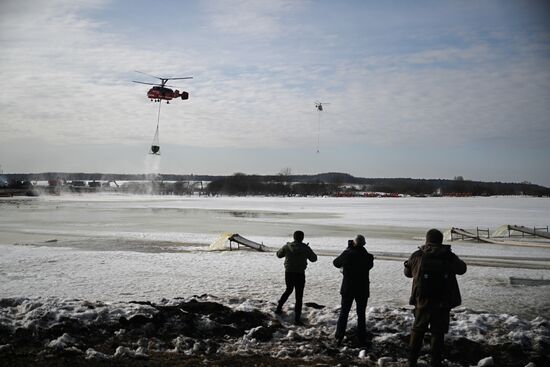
pixel 152 76
pixel 135 81
pixel 185 77
pixel 156 84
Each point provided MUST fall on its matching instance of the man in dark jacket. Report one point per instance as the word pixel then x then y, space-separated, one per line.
pixel 296 255
pixel 356 263
pixel 434 292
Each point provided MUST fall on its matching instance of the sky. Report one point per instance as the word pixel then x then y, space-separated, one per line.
pixel 424 89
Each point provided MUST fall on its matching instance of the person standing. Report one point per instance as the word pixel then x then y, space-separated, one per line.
pixel 296 255
pixel 435 292
pixel 356 263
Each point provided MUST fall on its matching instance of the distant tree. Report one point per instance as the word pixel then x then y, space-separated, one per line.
pixel 285 172
pixel 236 184
pixel 310 189
pixel 284 175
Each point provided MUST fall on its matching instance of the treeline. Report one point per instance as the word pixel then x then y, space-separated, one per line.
pixel 344 184
pixel 241 184
pixel 331 183
pixel 452 187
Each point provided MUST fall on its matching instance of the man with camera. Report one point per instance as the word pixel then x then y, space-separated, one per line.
pixel 296 255
pixel 356 263
pixel 434 292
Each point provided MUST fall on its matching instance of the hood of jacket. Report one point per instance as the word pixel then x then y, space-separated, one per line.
pixel 436 249
pixel 295 246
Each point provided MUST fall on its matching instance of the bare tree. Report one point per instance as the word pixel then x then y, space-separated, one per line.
pixel 284 175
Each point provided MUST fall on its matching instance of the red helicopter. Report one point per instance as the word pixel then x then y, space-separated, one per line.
pixel 161 91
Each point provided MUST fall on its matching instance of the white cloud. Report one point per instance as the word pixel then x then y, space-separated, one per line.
pixel 65 79
pixel 253 18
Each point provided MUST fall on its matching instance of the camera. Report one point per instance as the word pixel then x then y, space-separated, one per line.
pixel 350 243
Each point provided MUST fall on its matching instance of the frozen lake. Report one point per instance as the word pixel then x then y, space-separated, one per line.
pixel 116 247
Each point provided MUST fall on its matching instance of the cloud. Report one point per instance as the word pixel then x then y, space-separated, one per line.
pixel 252 18
pixel 66 79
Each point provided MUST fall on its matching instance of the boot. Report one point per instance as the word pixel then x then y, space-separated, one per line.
pixel 415 345
pixel 279 309
pixel 437 349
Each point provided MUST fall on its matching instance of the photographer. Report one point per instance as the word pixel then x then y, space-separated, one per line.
pixel 356 263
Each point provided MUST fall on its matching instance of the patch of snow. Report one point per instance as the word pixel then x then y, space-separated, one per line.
pixel 48 312
pixel 249 334
pixel 205 323
pixel 183 344
pixel 486 362
pixel 5 347
pixel 387 337
pixel 95 355
pixel 64 341
pixel 291 334
pixel 384 361
pixel 497 328
pixel 122 351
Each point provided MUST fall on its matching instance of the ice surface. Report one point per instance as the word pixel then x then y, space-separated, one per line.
pixel 115 247
pixel 405 217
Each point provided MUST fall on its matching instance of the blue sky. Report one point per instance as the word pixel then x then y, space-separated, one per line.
pixel 430 89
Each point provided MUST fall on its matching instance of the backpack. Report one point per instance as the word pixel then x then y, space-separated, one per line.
pixel 433 276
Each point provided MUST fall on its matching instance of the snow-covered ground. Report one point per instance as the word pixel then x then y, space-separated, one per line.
pixel 130 275
pixel 124 247
pixel 81 259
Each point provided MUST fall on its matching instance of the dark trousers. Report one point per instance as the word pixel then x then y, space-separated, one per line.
pixel 294 281
pixel 432 318
pixel 361 306
pixel 437 321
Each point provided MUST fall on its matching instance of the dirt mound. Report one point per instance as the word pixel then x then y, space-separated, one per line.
pixel 204 330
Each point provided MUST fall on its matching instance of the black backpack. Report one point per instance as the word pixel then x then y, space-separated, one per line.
pixel 433 276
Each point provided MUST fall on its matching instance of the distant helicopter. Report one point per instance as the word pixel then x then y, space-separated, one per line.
pixel 161 91
pixel 319 106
